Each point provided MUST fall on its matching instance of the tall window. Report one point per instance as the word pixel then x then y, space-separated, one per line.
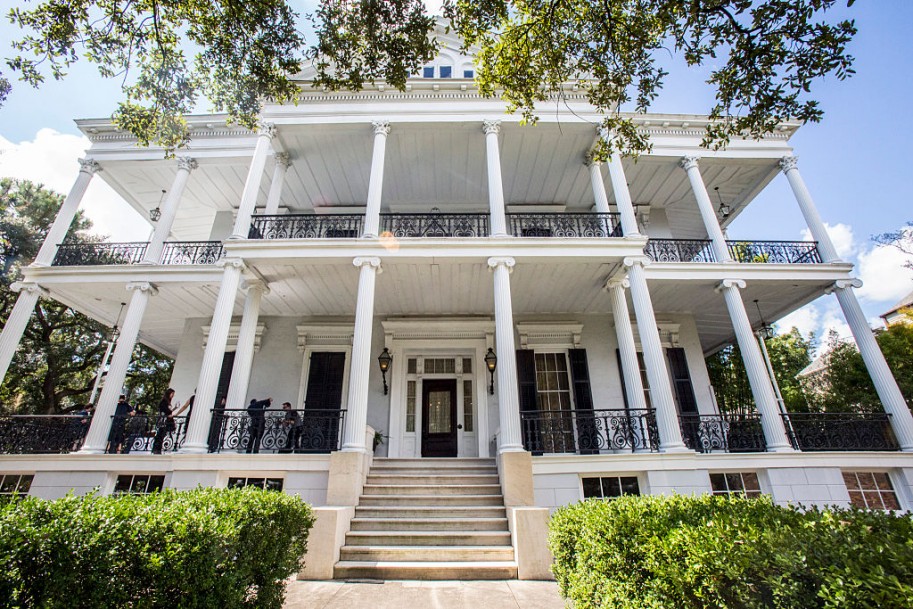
pixel 871 490
pixel 552 382
pixel 410 406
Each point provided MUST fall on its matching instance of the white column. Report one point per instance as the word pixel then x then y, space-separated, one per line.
pixel 790 167
pixel 705 206
pixel 495 186
pixel 360 370
pixel 252 184
pixel 278 181
pixel 97 437
pixel 244 353
pixel 376 185
pixel 764 398
pixel 207 385
pixel 169 210
pixel 885 385
pixel 599 193
pixel 87 168
pixel 17 322
pixel 630 368
pixel 508 398
pixel 670 432
pixel 623 197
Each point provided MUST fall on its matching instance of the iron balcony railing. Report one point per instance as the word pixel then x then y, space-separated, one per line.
pixel 564 225
pixel 723 433
pixel 42 434
pixel 701 250
pixel 284 431
pixel 142 433
pixel 826 431
pixel 306 226
pixel 435 224
pixel 101 254
pixel 589 431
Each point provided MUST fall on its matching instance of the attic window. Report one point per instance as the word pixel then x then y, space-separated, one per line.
pixel 446 71
pixel 428 72
pixel 468 74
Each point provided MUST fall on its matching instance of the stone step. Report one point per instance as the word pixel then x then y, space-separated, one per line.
pixel 430 512
pixel 426 524
pixel 426 570
pixel 431 489
pixel 428 538
pixel 426 471
pixel 433 464
pixel 432 479
pixel 430 500
pixel 427 553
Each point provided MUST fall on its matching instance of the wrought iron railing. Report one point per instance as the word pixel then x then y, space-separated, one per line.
pixel 564 225
pixel 723 433
pixel 821 431
pixel 680 250
pixel 775 252
pixel 146 434
pixel 90 254
pixel 589 431
pixel 191 252
pixel 298 431
pixel 306 226
pixel 435 225
pixel 42 434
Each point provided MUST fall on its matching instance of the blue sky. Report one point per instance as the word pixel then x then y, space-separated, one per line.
pixel 854 162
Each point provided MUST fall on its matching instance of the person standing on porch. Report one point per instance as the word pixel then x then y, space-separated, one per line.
pixel 119 425
pixel 166 422
pixel 292 424
pixel 257 423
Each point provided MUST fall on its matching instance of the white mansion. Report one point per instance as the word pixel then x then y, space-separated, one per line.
pixel 524 326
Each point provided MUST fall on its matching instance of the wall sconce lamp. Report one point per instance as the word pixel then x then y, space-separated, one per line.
pixel 383 360
pixel 155 214
pixel 491 362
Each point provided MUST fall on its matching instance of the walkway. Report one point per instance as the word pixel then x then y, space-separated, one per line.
pixel 424 595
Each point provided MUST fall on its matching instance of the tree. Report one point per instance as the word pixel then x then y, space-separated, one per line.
pixel 846 385
pixel 766 54
pixel 61 349
pixel 789 352
pixel 901 239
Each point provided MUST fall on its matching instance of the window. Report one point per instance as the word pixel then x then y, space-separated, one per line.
pixel 428 72
pixel 410 406
pixel 270 484
pixel 411 366
pixel 467 365
pixel 439 365
pixel 446 71
pixel 138 485
pixel 552 382
pixel 736 483
pixel 610 487
pixel 468 74
pixel 871 490
pixel 467 403
pixel 15 484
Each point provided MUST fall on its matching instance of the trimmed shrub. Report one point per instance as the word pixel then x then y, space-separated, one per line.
pixel 717 552
pixel 206 548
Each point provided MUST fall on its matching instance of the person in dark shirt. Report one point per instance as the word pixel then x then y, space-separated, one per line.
pixel 119 425
pixel 257 423
pixel 165 423
pixel 292 425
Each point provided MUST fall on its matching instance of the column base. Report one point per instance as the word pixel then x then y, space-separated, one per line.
pixel 194 449
pixel 346 478
pixel 781 449
pixel 516 472
pixel 89 450
pixel 675 448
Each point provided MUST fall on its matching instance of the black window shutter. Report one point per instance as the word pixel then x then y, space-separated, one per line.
pixel 228 362
pixel 587 434
pixel 621 375
pixel 325 379
pixel 681 379
pixel 528 398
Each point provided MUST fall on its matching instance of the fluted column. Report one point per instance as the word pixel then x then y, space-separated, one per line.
pixel 630 368
pixel 87 169
pixel 599 193
pixel 376 185
pixel 97 437
pixel 622 194
pixel 892 399
pixel 790 167
pixel 244 353
pixel 360 370
pixel 758 378
pixel 670 433
pixel 705 206
pixel 495 186
pixel 169 210
pixel 17 322
pixel 207 385
pixel 277 183
pixel 508 398
pixel 252 184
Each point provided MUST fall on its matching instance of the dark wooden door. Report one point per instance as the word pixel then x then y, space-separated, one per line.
pixel 439 418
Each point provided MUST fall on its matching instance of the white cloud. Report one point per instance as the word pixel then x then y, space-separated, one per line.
pixel 842 237
pixel 819 317
pixel 51 159
pixel 884 276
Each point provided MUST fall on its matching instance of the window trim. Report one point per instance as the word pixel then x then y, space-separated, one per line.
pixel 902 502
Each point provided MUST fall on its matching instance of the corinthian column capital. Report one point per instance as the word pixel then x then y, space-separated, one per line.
pixel 788 162
pixel 186 163
pixel 381 127
pixel 689 162
pixel 89 166
pixel 267 129
pixel 491 126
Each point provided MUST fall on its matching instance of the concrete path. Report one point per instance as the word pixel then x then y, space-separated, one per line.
pixel 424 595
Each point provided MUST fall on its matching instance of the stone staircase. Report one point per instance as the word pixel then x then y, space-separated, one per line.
pixel 429 519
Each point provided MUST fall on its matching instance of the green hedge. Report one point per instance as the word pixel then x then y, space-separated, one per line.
pixel 712 552
pixel 212 548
